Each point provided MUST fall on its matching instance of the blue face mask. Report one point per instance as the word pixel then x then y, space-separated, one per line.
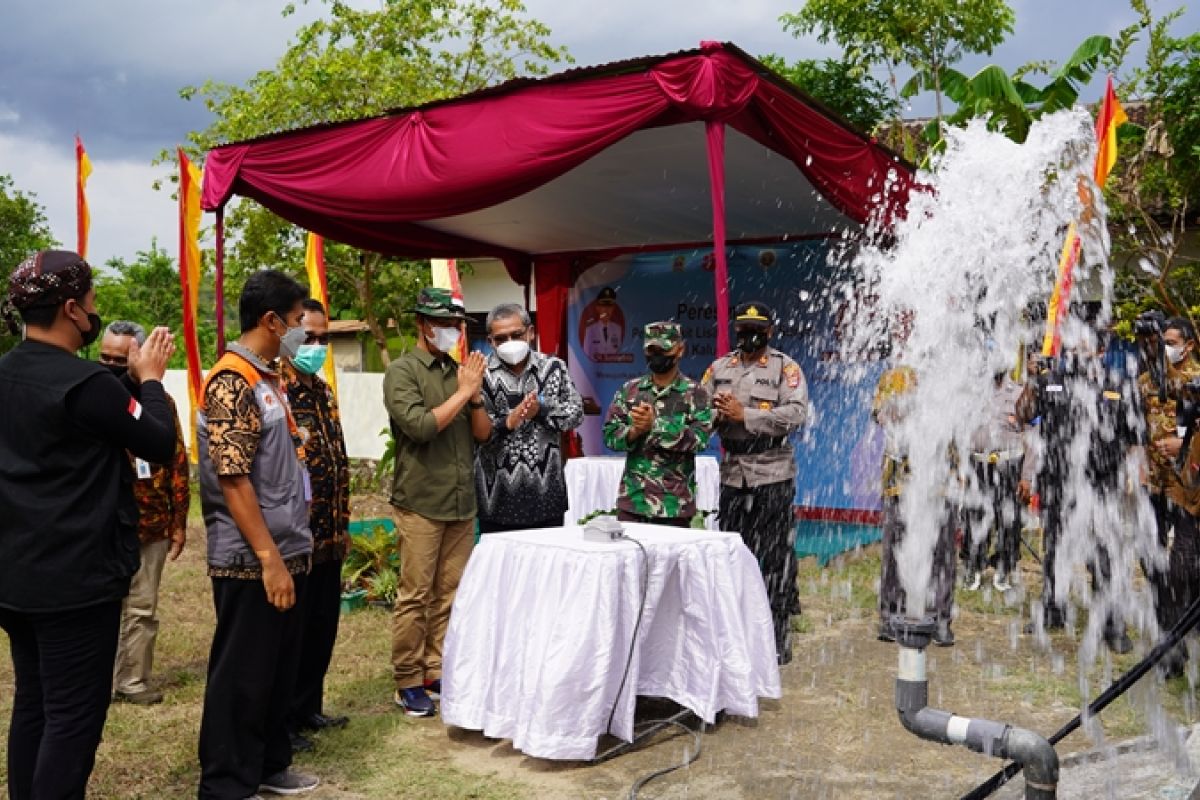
pixel 309 358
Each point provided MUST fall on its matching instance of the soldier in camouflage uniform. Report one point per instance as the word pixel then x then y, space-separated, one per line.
pixel 760 396
pixel 1167 491
pixel 661 420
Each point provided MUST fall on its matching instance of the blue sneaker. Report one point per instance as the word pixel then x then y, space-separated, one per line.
pixel 434 689
pixel 415 701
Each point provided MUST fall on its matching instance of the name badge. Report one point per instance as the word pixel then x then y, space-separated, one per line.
pixel 1054 387
pixel 142 468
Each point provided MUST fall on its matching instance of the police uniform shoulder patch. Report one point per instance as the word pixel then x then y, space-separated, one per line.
pixel 791 373
pixel 706 376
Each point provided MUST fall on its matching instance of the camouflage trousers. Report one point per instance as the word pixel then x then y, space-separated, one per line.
pixel 763 516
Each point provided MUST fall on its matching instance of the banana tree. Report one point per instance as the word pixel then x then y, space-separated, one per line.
pixel 1010 104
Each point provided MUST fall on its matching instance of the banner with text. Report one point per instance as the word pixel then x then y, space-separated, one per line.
pixel 839 451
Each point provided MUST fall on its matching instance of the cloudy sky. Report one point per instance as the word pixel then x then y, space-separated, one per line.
pixel 113 75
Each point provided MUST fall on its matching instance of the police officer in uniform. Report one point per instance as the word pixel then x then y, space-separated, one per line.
pixel 1059 398
pixel 760 397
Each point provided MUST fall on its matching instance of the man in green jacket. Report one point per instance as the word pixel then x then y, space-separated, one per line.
pixel 437 416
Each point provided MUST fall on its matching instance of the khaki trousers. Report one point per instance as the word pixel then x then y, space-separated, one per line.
pixel 433 555
pixel 139 622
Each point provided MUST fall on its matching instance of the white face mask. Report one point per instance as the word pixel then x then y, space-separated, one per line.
pixel 444 339
pixel 513 352
pixel 1174 353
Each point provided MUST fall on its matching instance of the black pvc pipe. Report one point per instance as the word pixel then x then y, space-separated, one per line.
pixel 1184 626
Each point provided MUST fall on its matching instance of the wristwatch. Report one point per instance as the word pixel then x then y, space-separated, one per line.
pixel 473 405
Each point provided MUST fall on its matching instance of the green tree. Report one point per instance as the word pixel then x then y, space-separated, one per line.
pixel 924 35
pixel 1154 192
pixel 1010 104
pixel 857 96
pixel 23 230
pixel 147 291
pixel 352 64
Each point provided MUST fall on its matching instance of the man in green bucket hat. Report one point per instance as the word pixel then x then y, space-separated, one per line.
pixel 437 417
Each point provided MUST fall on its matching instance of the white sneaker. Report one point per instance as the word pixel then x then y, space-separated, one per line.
pixel 971 584
pixel 1000 582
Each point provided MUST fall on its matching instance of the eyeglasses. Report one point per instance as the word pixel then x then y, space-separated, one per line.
pixel 315 338
pixel 116 361
pixel 501 338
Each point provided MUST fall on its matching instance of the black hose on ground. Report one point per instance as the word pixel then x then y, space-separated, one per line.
pixel 1186 623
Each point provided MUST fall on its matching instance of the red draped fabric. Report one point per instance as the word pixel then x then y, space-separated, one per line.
pixel 371 183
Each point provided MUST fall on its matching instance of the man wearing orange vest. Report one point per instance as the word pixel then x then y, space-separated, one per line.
pixel 255 495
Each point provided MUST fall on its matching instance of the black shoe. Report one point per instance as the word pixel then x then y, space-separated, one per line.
pixel 943 636
pixel 885 633
pixel 301 744
pixel 318 722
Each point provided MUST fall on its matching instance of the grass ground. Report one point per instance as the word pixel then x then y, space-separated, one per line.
pixel 833 734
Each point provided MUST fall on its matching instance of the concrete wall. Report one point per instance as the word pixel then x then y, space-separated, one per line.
pixel 489 286
pixel 360 395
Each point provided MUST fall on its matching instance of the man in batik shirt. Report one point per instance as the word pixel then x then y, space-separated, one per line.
pixel 316 412
pixel 162 496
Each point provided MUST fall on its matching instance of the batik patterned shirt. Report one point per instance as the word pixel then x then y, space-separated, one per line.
pixel 316 413
pixel 519 473
pixel 162 495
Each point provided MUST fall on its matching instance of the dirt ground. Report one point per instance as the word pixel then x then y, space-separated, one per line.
pixel 835 733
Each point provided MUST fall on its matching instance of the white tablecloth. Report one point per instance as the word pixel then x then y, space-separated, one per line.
pixel 542 624
pixel 593 483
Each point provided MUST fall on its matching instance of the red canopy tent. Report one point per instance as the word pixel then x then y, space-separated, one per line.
pixel 556 174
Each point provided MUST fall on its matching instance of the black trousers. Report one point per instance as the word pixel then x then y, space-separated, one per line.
pixel 320 609
pixel 251 675
pixel 1052 519
pixel 998 482
pixel 1179 584
pixel 763 516
pixel 63 663
pixel 892 597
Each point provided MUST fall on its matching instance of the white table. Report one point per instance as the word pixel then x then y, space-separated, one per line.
pixel 593 483
pixel 542 624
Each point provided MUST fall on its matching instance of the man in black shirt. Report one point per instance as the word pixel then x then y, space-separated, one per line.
pixel 68 531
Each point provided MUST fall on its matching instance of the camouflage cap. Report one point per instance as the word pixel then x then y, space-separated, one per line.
pixel 435 302
pixel 663 334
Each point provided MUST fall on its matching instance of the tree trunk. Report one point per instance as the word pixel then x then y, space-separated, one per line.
pixel 366 285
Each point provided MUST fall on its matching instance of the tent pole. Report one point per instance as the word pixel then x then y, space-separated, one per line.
pixel 219 282
pixel 715 135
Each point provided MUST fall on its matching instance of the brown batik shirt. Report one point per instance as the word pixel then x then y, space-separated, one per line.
pixel 315 410
pixel 161 490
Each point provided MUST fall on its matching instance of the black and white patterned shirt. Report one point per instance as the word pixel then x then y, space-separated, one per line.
pixel 519 473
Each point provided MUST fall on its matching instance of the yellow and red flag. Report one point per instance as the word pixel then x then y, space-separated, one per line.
pixel 83 220
pixel 189 280
pixel 318 287
pixel 1109 118
pixel 444 273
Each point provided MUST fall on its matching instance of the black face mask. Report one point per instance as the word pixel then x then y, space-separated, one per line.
pixel 92 333
pixel 751 341
pixel 118 370
pixel 660 363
